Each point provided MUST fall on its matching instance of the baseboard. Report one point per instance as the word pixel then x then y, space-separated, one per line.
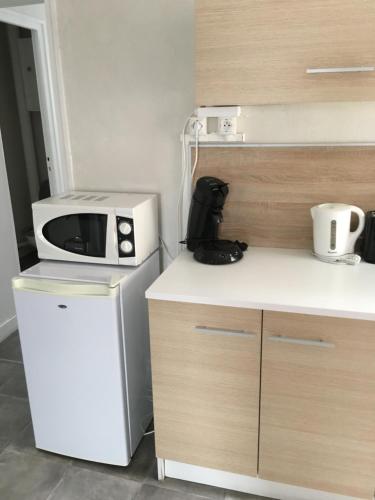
pixel 8 327
pixel 244 484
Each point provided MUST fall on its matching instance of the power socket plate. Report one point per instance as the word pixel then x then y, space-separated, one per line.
pixel 195 122
pixel 227 126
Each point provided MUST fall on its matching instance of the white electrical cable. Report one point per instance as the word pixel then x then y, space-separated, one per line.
pixel 199 126
pixel 181 188
pixel 165 247
pixel 184 171
pixel 182 183
pixel 349 258
pixel 148 433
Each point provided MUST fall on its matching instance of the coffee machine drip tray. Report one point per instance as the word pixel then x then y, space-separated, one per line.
pixel 216 252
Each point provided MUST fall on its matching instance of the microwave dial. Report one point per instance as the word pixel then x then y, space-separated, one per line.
pixel 125 237
pixel 125 228
pixel 126 247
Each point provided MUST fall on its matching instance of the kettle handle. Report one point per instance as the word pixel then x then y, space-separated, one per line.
pixel 355 234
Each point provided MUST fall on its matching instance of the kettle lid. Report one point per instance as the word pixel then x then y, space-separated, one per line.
pixel 337 207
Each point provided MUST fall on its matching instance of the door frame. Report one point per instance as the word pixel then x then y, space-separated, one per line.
pixel 8 324
pixel 50 89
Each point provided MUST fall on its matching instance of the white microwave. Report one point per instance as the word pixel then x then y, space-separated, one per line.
pixel 100 228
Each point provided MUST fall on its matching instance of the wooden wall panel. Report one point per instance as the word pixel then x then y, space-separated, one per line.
pixel 272 189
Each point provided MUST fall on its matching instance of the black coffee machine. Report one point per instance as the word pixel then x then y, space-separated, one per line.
pixel 203 226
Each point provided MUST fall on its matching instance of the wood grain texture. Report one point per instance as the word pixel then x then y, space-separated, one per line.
pixel 206 387
pixel 271 190
pixel 318 405
pixel 257 51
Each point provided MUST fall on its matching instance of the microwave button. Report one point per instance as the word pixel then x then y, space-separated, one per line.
pixel 125 228
pixel 126 246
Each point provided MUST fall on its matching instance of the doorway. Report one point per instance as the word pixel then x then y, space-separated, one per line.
pixel 22 134
pixel 21 185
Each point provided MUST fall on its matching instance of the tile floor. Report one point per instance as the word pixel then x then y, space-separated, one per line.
pixel 29 474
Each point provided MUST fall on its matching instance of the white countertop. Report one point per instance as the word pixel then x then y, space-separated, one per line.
pixel 272 279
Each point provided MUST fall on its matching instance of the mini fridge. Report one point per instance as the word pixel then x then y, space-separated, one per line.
pixel 85 346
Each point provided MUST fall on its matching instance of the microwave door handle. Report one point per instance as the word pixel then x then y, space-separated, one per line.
pixel 111 244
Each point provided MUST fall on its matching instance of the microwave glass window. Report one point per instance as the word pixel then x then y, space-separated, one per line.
pixel 84 234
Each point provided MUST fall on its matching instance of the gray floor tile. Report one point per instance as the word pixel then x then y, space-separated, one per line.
pixel 10 348
pixel 24 476
pixel 14 416
pixel 24 441
pixel 7 371
pixel 186 487
pixel 81 484
pixel 140 468
pixel 149 492
pixel 14 382
pixel 3 444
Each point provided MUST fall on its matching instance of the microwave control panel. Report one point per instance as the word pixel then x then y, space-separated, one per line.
pixel 125 237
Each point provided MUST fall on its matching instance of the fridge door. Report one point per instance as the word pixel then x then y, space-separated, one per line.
pixel 71 344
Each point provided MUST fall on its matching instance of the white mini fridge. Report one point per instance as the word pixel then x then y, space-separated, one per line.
pixel 85 345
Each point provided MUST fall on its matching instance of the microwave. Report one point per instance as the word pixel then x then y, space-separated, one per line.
pixel 99 228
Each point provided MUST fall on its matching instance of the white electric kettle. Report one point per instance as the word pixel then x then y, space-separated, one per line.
pixel 332 234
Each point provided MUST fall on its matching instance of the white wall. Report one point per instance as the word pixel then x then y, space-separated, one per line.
pixel 32 8
pixel 15 3
pixel 127 69
pixel 36 10
pixel 9 265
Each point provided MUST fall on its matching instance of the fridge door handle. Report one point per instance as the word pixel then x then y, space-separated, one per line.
pixel 66 288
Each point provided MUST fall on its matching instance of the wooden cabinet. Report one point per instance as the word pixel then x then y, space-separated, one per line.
pixel 259 51
pixel 317 400
pixel 318 403
pixel 206 371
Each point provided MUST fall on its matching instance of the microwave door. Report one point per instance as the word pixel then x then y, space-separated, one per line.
pixel 81 234
pixel 92 232
pixel 94 236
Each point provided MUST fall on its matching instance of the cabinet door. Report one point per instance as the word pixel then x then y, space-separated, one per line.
pixel 258 51
pixel 318 403
pixel 205 372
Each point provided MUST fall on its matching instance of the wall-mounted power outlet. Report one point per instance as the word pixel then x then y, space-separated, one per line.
pixel 227 126
pixel 197 124
pixel 213 129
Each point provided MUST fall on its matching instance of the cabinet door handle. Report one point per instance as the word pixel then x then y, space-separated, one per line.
pixel 353 69
pixel 220 331
pixel 307 342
